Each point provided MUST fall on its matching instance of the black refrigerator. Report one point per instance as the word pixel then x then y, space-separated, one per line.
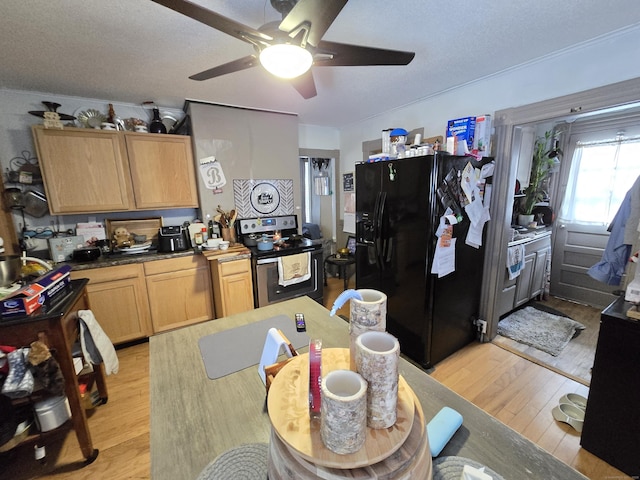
pixel 398 208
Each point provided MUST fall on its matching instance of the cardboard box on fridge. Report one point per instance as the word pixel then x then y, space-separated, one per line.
pixel 462 130
pixel 482 137
pixel 29 298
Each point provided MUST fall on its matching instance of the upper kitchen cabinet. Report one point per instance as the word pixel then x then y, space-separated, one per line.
pixel 162 171
pixel 84 170
pixel 91 171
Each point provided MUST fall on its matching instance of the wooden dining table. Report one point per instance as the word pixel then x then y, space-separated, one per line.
pixel 195 419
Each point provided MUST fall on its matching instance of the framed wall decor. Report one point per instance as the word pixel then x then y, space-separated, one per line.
pixel 258 198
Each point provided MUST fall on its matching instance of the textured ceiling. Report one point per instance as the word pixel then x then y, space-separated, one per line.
pixel 136 50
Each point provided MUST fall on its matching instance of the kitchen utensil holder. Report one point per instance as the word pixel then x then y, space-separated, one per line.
pixel 228 234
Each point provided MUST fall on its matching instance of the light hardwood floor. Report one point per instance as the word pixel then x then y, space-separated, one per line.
pixel 576 359
pixel 512 389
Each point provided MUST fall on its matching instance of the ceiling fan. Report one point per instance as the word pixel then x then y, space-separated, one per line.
pixel 304 22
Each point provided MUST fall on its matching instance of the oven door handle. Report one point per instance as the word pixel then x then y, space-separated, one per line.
pixel 264 261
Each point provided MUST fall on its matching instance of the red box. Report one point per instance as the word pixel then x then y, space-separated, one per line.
pixel 29 298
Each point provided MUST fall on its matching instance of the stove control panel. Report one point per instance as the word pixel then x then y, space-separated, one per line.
pixel 268 225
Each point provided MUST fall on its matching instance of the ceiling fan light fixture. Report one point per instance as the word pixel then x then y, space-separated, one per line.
pixel 285 60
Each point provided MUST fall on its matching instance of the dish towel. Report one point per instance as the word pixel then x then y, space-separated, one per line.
pixel 294 269
pixel 96 346
pixel 515 260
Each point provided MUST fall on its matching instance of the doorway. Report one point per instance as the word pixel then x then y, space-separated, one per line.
pixel 597 105
pixel 600 165
pixel 318 199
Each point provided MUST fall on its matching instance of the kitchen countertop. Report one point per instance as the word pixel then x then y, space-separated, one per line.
pixel 115 259
pixel 194 419
pixel 529 235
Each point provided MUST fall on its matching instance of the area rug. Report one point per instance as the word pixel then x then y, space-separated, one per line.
pixel 542 330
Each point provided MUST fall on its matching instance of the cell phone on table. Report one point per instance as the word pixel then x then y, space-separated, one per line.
pixel 301 326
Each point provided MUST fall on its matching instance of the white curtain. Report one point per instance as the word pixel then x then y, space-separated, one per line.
pixel 601 174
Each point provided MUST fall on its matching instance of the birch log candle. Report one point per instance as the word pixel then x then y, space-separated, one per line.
pixel 367 314
pixel 343 416
pixel 377 356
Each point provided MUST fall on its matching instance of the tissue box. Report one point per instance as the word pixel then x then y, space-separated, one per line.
pixel 29 298
pixel 378 157
pixel 482 136
pixel 462 130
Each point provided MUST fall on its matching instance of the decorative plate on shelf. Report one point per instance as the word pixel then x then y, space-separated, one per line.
pixel 90 118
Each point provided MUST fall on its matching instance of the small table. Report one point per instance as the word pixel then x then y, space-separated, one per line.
pixel 57 325
pixel 342 262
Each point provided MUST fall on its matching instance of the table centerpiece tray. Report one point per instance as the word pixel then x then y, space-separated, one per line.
pixel 288 407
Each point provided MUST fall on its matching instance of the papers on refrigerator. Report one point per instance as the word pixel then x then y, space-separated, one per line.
pixel 444 258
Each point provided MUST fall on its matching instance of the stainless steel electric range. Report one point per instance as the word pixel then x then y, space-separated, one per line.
pixel 267 288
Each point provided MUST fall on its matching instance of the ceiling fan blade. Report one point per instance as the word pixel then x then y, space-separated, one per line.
pixel 305 85
pixel 234 66
pixel 215 20
pixel 318 15
pixel 332 54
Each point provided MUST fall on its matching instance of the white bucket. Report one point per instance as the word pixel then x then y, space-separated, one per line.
pixel 52 412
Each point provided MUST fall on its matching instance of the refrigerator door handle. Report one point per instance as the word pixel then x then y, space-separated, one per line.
pixel 380 241
pixel 389 251
pixel 375 225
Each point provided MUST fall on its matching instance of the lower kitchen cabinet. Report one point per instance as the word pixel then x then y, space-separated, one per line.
pixel 137 300
pixel 531 281
pixel 232 286
pixel 179 291
pixel 524 282
pixel 118 298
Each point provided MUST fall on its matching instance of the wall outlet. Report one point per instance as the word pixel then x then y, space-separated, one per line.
pixel 482 325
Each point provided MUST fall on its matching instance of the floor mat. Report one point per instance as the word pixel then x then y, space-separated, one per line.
pixel 539 329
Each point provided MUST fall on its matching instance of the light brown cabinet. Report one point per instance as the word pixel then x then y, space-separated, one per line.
pixel 179 291
pixel 232 286
pixel 118 297
pixel 137 300
pixel 89 171
pixel 84 170
pixel 162 171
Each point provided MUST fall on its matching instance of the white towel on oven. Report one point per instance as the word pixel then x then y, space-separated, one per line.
pixel 294 269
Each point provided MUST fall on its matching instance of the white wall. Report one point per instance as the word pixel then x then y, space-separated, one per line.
pixel 314 136
pixel 601 62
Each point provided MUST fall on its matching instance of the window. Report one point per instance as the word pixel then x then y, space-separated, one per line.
pixel 602 172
